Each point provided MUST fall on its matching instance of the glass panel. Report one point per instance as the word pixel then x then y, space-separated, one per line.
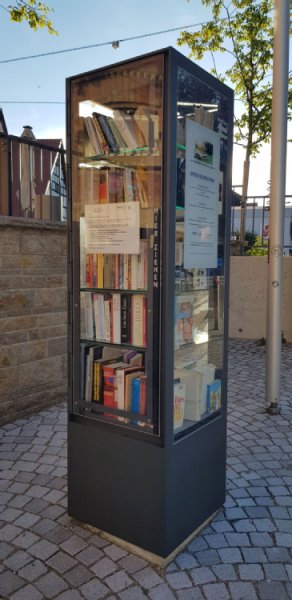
pixel 116 189
pixel 199 257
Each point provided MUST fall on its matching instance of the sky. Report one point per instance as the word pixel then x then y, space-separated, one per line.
pixel 26 86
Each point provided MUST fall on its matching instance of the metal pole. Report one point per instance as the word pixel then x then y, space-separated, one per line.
pixel 277 205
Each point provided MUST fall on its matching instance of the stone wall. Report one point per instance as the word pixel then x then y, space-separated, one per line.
pixel 248 297
pixel 33 316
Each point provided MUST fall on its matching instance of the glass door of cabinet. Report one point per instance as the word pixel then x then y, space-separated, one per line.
pixel 116 189
pixel 201 150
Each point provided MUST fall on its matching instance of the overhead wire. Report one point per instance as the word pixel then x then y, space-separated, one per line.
pixel 113 43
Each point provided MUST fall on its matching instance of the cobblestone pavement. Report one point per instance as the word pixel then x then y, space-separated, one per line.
pixel 245 553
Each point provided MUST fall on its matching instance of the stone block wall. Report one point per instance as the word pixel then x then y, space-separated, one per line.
pixel 248 297
pixel 33 316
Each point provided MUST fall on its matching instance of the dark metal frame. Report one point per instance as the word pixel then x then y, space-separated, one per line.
pixel 150 491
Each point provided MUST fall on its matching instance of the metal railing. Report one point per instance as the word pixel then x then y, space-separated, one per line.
pixel 32 179
pixel 257 221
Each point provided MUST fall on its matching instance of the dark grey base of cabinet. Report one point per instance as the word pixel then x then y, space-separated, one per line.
pixel 147 495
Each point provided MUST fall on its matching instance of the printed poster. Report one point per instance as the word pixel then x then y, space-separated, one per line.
pixel 112 228
pixel 201 196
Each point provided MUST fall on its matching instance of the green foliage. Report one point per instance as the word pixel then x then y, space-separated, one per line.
pixel 34 12
pixel 259 248
pixel 244 30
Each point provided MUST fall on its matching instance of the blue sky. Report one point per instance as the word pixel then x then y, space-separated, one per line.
pixel 85 23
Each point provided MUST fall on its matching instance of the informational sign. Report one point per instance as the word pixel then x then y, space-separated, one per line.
pixel 201 196
pixel 112 228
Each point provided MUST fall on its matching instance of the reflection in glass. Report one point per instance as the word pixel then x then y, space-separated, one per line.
pixel 116 189
pixel 199 252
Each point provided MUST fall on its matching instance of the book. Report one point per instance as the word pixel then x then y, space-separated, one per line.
pixel 98 384
pixel 87 305
pixel 179 396
pixel 107 132
pixel 125 125
pixel 84 350
pixel 214 395
pixel 121 381
pixel 129 376
pixel 136 395
pixel 100 134
pixel 91 132
pixel 196 380
pixel 91 353
pixel 108 317
pixel 125 318
pixel 138 320
pixel 116 318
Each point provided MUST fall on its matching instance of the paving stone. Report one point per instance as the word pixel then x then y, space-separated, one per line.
pixel 208 557
pixel 105 566
pixel 51 584
pixel 9 583
pixel 242 591
pixel 216 540
pixel 225 572
pixel 147 578
pixel 9 532
pixel 61 562
pixel 5 550
pixel 134 593
pixel 29 592
pixel 272 590
pixel 251 572
pixel 43 549
pixel 254 555
pixel 230 555
pixel 77 576
pixel 216 591
pixel 73 545
pixel 33 570
pixel 237 539
pixel 179 580
pixel 114 552
pixel 70 595
pixel 132 563
pixel 284 539
pixel 202 575
pixel 190 594
pixel 17 560
pixel 26 539
pixel 118 581
pixel 26 520
pixel 161 592
pixel 261 539
pixel 275 572
pixel 185 560
pixel 94 590
pixel 89 555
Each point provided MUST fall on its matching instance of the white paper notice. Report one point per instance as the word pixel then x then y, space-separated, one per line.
pixel 201 196
pixel 112 228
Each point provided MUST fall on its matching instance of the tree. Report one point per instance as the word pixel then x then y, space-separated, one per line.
pixel 244 30
pixel 34 12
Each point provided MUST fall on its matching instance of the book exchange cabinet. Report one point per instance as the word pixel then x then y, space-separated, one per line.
pixel 149 166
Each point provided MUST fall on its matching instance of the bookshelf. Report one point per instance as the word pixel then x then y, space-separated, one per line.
pixel 149 144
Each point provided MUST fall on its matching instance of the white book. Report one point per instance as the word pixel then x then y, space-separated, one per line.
pixel 142 266
pixel 134 271
pixel 86 300
pixel 96 309
pixel 107 319
pixel 116 314
pixel 101 316
pixel 137 317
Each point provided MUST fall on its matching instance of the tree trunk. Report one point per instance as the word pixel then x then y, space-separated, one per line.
pixel 245 180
